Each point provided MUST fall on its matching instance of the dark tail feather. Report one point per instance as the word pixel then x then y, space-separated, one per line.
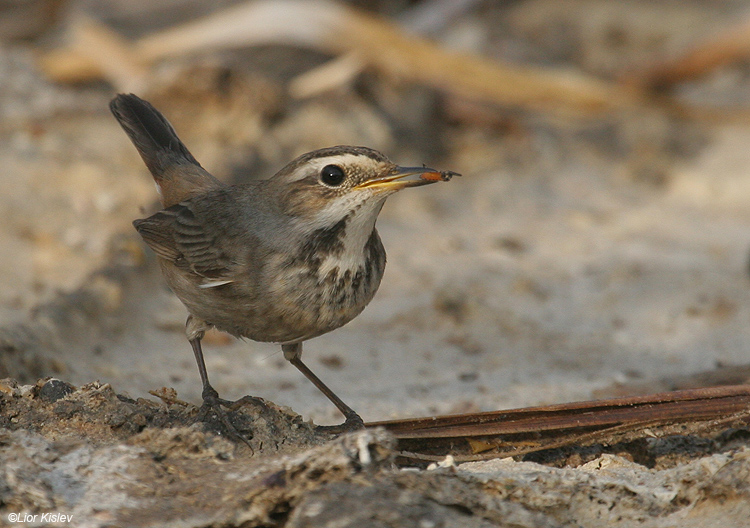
pixel 151 133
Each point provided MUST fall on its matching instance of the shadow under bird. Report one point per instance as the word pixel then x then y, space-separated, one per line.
pixel 279 260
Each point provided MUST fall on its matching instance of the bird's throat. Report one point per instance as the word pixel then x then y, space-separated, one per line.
pixel 343 246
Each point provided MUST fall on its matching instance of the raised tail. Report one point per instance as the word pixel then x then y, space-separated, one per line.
pixel 177 173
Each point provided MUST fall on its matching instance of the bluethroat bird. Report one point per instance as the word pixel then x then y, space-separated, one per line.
pixel 280 260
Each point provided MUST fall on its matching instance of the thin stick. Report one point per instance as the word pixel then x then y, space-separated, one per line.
pixel 730 45
pixel 334 28
pixel 519 431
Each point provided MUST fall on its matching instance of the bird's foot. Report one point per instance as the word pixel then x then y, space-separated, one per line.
pixel 212 404
pixel 353 422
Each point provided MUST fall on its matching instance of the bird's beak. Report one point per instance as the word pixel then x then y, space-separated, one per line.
pixel 406 177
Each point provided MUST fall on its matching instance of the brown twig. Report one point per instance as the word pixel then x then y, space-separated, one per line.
pixel 495 434
pixel 731 45
pixel 381 45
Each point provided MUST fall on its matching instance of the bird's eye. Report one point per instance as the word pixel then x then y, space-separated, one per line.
pixel 332 175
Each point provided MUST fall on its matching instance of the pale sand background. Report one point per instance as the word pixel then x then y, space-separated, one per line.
pixel 574 259
pixel 568 258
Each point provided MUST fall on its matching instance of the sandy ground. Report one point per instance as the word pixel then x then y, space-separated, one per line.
pixel 570 258
pixel 501 290
pixel 567 258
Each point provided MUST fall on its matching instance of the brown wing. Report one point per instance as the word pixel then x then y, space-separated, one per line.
pixel 180 235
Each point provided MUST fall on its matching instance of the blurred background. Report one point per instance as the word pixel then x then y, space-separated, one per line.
pixel 596 245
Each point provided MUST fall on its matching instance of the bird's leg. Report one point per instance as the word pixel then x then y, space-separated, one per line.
pixel 211 402
pixel 293 354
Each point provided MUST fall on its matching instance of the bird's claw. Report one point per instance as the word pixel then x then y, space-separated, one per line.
pixel 213 404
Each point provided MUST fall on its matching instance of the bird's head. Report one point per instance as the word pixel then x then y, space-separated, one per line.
pixel 325 186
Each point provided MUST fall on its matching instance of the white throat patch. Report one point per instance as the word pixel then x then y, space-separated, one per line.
pixel 357 232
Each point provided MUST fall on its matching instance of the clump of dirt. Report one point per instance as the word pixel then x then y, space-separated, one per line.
pixel 109 460
pixel 55 409
pixel 103 457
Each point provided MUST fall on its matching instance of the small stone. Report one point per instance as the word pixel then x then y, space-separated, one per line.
pixel 55 389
